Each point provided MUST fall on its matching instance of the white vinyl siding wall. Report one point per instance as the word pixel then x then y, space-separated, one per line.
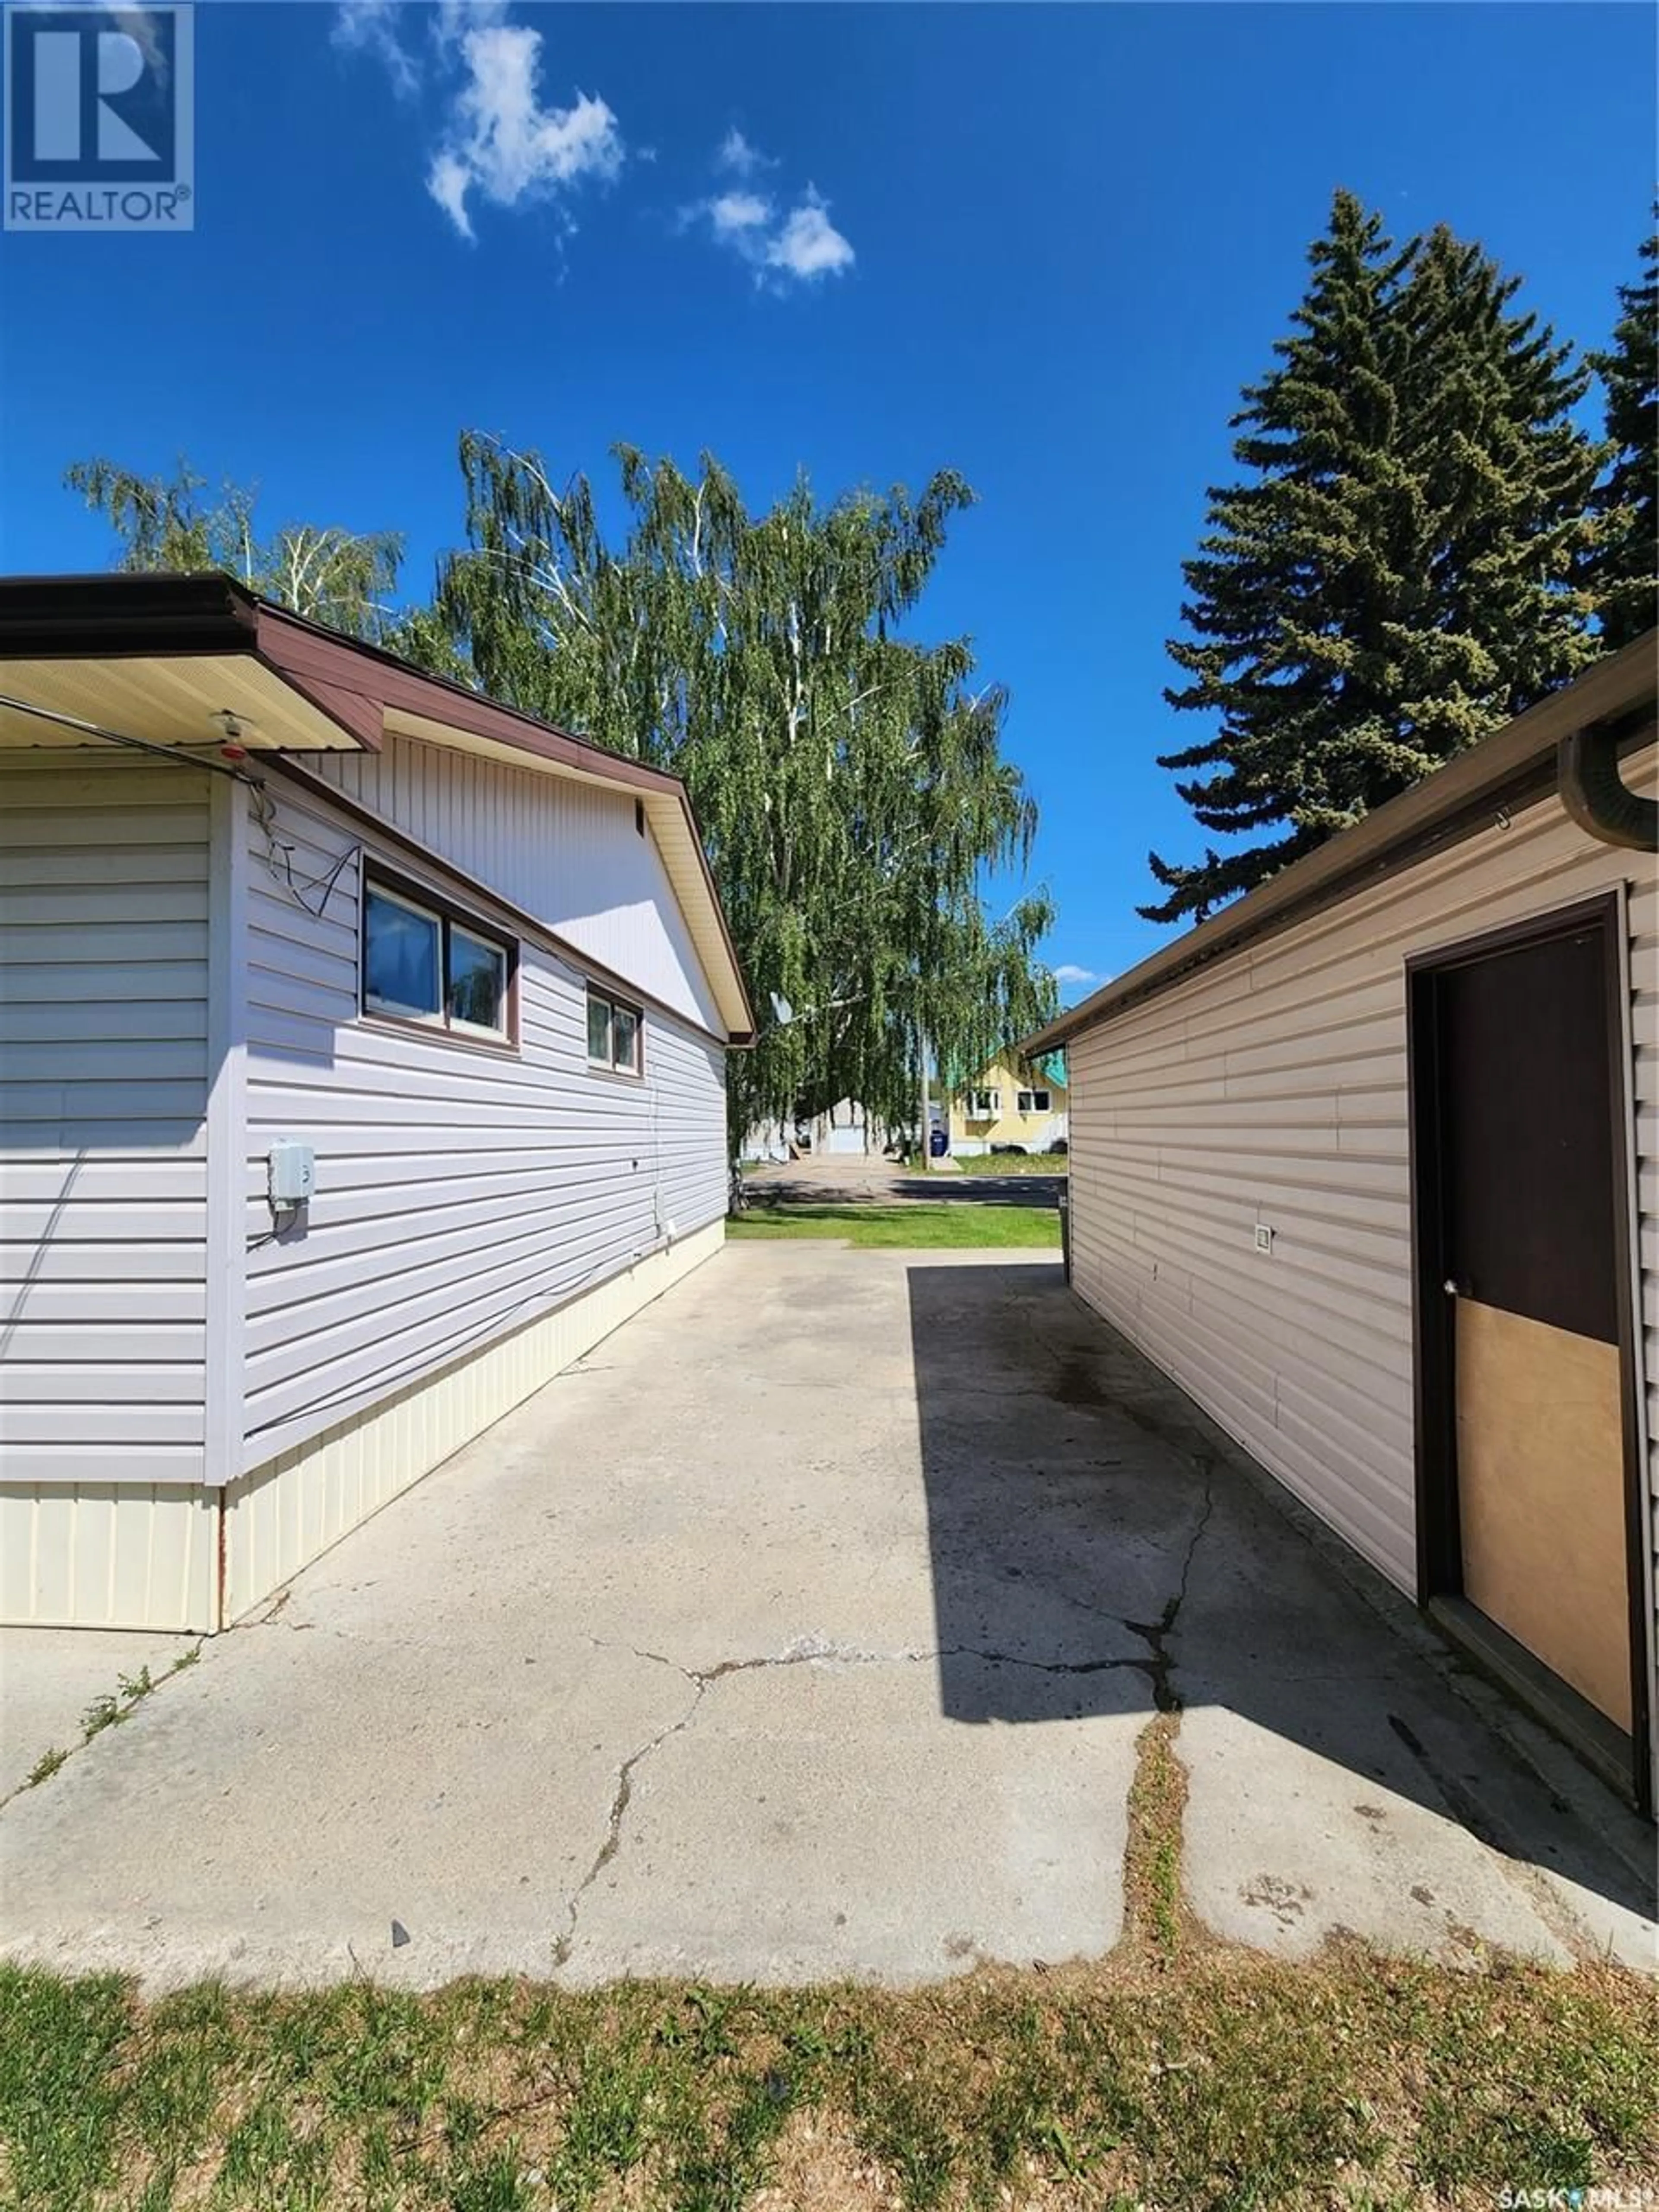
pixel 569 852
pixel 461 1191
pixel 103 1094
pixel 1271 1088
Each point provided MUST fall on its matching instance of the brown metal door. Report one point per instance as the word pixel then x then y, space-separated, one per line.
pixel 1530 1248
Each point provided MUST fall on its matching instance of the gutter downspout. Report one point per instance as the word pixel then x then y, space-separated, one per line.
pixel 1597 797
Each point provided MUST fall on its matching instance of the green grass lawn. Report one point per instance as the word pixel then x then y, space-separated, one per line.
pixel 922 1226
pixel 1355 2081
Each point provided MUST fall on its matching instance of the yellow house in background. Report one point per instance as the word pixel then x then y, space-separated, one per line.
pixel 1004 1106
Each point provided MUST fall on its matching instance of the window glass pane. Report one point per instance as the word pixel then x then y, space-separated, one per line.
pixel 478 980
pixel 1041 1100
pixel 599 1027
pixel 400 957
pixel 625 1037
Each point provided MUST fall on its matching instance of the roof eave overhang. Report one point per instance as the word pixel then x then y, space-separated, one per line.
pixel 355 686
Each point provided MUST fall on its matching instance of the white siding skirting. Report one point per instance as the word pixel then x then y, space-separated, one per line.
pixel 105 1555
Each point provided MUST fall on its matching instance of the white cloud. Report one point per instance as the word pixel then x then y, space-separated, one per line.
pixel 452 17
pixel 371 27
pixel 504 143
pixel 1073 978
pixel 809 245
pixel 782 244
pixel 737 154
pixel 498 141
pixel 733 213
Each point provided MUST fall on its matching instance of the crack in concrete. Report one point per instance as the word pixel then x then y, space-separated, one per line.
pixel 814 1651
pixel 124 1703
pixel 1159 1667
pixel 619 1804
pixel 824 1651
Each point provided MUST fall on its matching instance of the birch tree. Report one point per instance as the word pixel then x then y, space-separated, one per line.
pixel 344 578
pixel 850 780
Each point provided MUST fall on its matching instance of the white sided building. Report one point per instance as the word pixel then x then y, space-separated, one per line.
pixel 362 1065
pixel 1369 1163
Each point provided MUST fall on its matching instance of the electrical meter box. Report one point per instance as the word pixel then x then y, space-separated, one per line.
pixel 292 1169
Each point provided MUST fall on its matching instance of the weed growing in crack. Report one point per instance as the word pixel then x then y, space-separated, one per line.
pixel 1151 1869
pixel 45 1767
pixel 110 1710
pixel 101 1713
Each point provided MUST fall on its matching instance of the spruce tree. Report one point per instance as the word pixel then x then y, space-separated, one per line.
pixel 1393 576
pixel 1622 572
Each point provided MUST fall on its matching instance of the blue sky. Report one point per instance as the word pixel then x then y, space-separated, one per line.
pixel 1042 246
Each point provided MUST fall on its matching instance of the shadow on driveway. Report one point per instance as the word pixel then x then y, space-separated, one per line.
pixel 1088 1524
pixel 883 1183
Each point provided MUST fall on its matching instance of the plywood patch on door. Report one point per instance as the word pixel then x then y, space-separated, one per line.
pixel 1540 1496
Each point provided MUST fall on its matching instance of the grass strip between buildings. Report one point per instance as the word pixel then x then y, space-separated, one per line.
pixel 1234 2082
pixel 1011 1163
pixel 954 1223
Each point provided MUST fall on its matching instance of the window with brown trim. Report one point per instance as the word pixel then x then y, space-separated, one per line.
pixel 615 1033
pixel 426 963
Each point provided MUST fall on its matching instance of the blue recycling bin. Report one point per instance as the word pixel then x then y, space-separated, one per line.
pixel 937 1144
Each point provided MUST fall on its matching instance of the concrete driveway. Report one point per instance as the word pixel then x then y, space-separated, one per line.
pixel 807 1629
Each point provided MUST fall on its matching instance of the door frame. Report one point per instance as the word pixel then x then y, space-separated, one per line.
pixel 1439 1539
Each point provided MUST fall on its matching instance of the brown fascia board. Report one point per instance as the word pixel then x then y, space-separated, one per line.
pixel 307 653
pixel 150 614
pixel 1515 763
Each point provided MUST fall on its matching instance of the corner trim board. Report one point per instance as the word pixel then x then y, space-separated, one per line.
pixel 226 1260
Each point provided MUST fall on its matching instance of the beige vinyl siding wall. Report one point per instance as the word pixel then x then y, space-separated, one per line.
pixel 1271 1088
pixel 569 852
pixel 103 1095
pixel 460 1191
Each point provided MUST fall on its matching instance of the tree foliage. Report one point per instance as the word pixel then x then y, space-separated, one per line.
pixel 849 781
pixel 1622 572
pixel 344 578
pixel 1393 575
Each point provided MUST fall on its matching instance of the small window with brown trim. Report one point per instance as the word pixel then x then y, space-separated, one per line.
pixel 615 1033
pixel 426 962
